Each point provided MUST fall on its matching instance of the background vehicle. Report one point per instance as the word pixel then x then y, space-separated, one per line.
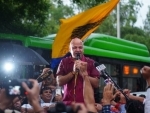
pixel 122 58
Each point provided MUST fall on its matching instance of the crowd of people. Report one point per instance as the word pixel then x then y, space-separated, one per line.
pixel 76 77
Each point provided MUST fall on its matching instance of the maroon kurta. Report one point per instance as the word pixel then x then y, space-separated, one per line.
pixel 65 67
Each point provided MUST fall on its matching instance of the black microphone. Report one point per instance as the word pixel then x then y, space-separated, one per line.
pixel 101 69
pixel 77 56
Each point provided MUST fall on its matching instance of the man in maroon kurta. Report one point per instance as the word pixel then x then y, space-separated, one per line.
pixel 69 76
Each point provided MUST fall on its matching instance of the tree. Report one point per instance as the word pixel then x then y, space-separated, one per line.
pixel 82 5
pixel 108 26
pixel 132 31
pixel 31 17
pixel 138 39
pixel 147 23
pixel 128 12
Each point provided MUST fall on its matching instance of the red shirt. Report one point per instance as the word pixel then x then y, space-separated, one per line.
pixel 65 67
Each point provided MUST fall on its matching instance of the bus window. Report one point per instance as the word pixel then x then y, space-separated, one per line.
pixel 45 53
pixel 134 84
pixel 12 41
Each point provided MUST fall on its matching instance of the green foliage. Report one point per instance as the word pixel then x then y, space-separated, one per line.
pixel 132 30
pixel 128 12
pixel 90 3
pixel 32 17
pixel 139 39
pixel 86 4
pixel 15 13
pixel 107 26
pixel 147 23
pixel 41 18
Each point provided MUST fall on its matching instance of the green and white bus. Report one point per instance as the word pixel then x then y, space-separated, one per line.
pixel 122 58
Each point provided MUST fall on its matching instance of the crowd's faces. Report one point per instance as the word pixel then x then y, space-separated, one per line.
pixel 17 105
pixel 119 97
pixel 76 46
pixel 48 81
pixel 46 95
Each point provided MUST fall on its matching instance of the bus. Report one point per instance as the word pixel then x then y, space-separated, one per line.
pixel 123 59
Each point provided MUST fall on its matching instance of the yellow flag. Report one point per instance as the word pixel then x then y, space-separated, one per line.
pixel 80 26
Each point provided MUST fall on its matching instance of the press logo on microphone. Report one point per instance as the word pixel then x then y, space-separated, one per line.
pixel 101 67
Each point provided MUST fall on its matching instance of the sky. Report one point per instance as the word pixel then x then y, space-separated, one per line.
pixel 141 15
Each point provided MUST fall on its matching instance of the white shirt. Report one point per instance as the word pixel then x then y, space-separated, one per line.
pixel 147 102
pixel 28 106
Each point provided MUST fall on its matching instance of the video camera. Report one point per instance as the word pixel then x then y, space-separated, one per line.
pixel 14 87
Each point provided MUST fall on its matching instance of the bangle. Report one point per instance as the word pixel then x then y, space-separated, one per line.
pixel 42 110
pixel 73 72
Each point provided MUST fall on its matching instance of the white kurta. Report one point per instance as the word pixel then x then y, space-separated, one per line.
pixel 147 102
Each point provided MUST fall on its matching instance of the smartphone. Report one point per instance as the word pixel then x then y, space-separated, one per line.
pixel 107 81
pixel 58 91
pixel 14 90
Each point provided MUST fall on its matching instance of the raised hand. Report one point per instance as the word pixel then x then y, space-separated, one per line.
pixel 107 94
pixel 83 69
pixel 145 71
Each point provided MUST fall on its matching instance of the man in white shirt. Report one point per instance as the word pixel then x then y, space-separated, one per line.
pixel 145 71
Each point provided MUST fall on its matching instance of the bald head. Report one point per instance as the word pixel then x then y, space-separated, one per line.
pixel 76 46
pixel 76 40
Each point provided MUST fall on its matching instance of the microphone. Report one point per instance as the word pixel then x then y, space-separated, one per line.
pixel 77 56
pixel 101 69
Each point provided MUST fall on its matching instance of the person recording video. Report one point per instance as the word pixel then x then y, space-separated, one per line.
pixel 32 95
pixel 49 82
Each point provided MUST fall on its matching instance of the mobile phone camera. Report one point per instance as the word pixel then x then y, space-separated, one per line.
pixel 14 87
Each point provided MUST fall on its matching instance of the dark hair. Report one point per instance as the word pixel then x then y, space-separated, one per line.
pixel 117 98
pixel 45 88
pixel 134 106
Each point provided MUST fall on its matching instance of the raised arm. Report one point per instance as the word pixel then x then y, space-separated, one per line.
pixel 88 92
pixel 141 99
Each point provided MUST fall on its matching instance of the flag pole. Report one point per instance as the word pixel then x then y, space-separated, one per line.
pixel 118 20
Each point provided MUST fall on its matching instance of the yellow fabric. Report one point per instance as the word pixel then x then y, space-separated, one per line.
pixel 80 26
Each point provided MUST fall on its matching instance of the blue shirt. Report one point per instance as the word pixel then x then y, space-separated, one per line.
pixel 106 109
